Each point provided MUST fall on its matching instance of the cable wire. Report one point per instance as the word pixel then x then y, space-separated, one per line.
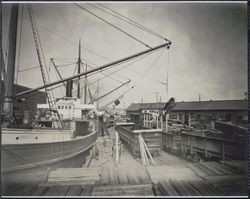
pixel 65 21
pixel 129 21
pixel 131 36
pixel 65 39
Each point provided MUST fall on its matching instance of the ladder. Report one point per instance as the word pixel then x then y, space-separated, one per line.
pixel 37 41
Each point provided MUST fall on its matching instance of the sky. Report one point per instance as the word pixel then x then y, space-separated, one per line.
pixel 208 55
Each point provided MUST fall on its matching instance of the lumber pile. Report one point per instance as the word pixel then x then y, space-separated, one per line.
pixel 160 173
pixel 63 190
pixel 129 190
pixel 187 188
pixel 204 169
pixel 229 185
pixel 239 165
pixel 123 174
pixel 73 176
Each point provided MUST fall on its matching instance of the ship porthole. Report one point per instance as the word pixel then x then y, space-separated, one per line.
pixel 17 138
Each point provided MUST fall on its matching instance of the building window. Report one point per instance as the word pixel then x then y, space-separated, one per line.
pixel 66 107
pixel 62 107
pixel 58 107
pixel 69 107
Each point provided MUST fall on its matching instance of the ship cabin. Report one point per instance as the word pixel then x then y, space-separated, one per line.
pixel 70 110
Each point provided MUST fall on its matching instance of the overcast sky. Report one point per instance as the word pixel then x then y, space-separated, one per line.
pixel 208 55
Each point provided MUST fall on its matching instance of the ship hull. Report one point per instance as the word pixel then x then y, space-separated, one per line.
pixel 23 156
pixel 28 164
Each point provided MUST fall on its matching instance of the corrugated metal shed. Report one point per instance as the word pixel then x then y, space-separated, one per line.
pixel 218 105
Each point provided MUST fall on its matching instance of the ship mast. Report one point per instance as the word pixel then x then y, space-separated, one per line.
pixel 79 70
pixel 10 73
pixel 114 63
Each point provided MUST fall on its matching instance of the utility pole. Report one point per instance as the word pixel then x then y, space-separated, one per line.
pixel 85 86
pixel 157 125
pixel 79 70
pixel 98 92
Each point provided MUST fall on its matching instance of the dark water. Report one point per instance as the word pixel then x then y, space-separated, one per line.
pixel 23 183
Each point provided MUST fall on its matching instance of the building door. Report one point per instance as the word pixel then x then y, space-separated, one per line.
pixel 228 117
pixel 186 119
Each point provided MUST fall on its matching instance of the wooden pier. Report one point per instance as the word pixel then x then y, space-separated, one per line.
pixel 171 175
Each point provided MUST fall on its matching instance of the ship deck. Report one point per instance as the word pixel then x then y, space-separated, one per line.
pixel 171 176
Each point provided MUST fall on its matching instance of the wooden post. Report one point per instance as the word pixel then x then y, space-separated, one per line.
pixel 189 119
pixel 162 122
pixel 205 146
pixel 167 122
pixel 157 122
pixel 141 150
pixel 117 152
pixel 223 151
pixel 151 158
pixel 144 119
pixel 144 152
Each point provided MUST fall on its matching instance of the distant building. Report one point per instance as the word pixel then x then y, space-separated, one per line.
pixel 25 106
pixel 190 113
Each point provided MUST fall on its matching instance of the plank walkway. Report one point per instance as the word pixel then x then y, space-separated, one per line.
pixel 171 176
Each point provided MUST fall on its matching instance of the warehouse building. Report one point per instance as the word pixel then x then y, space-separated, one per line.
pixel 25 106
pixel 195 113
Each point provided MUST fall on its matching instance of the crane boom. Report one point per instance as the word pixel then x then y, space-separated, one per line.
pixel 96 69
pixel 121 96
pixel 110 92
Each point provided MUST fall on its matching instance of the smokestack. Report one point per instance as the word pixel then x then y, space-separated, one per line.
pixel 69 86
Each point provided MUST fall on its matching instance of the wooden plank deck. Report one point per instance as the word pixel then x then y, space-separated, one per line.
pixel 171 176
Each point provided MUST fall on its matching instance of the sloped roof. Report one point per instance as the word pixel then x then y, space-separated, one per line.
pixel 195 105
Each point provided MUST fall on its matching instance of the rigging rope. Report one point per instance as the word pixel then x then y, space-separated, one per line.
pixel 138 59
pixel 44 60
pixel 65 39
pixel 144 74
pixel 129 21
pixel 123 67
pixel 65 21
pixel 168 65
pixel 62 65
pixel 104 73
pixel 126 33
pixel 26 69
pixel 149 68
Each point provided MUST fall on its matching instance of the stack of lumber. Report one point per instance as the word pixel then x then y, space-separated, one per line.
pixel 187 188
pixel 123 174
pixel 169 159
pixel 160 173
pixel 63 190
pixel 127 190
pixel 204 169
pixel 73 176
pixel 229 185
pixel 239 165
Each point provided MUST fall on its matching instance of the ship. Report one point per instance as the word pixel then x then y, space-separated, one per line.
pixel 60 140
pixel 65 137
